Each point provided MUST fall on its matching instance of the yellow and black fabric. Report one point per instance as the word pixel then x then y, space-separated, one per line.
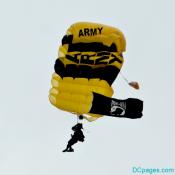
pixel 89 60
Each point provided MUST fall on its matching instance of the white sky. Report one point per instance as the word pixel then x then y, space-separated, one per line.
pixel 33 133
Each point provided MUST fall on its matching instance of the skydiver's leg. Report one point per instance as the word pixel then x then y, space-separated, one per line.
pixel 69 148
pixel 129 108
pixel 71 142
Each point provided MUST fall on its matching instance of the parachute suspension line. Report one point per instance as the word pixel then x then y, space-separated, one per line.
pixel 124 77
pixel 78 116
pixel 133 84
pixel 77 119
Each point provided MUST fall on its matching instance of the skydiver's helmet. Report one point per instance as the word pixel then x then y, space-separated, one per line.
pixel 78 126
pixel 81 117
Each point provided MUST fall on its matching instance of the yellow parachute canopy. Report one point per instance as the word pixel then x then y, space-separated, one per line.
pixel 89 60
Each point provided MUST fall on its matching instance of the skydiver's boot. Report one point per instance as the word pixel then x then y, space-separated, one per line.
pixel 70 149
pixel 65 150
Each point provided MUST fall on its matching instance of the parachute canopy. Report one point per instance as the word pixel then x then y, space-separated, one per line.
pixel 89 60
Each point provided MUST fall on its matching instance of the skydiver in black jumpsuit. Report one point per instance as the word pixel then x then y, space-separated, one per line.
pixel 77 136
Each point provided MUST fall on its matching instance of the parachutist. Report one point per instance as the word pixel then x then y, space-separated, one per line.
pixel 77 136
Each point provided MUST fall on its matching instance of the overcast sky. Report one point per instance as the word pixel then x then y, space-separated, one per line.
pixel 33 133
